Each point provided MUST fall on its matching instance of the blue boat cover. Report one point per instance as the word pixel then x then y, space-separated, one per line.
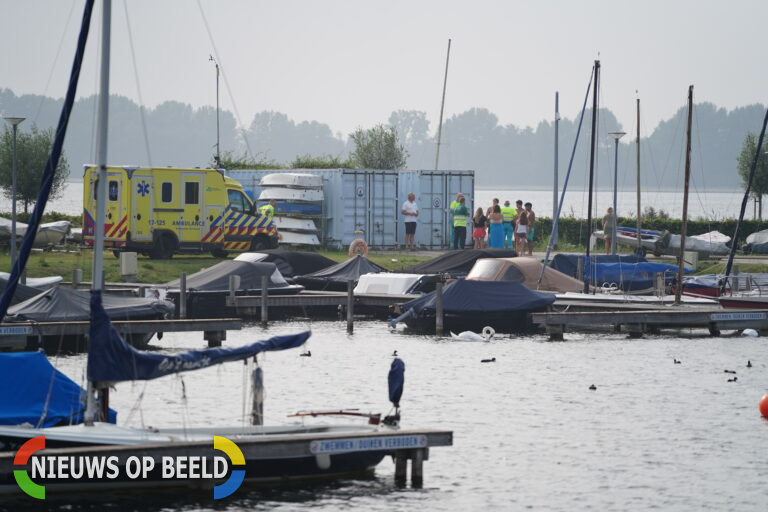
pixel 568 263
pixel 633 276
pixel 396 381
pixel 26 379
pixel 111 359
pixel 483 296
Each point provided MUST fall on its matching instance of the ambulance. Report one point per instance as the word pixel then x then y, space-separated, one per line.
pixel 161 211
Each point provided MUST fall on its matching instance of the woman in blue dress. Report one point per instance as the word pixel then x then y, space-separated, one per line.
pixel 496 234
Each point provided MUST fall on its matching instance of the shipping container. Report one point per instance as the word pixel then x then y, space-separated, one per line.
pixel 370 201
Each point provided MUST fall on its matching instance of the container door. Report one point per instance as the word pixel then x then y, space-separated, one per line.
pixel 434 214
pixel 370 204
pixel 143 213
pixel 192 226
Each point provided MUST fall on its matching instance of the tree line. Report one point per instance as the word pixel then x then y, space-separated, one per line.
pixel 502 155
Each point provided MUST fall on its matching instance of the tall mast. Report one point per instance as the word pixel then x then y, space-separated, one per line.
pixel 442 105
pixel 592 167
pixel 554 188
pixel 101 198
pixel 639 212
pixel 684 226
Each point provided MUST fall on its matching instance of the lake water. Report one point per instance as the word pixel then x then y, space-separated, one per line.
pixel 707 205
pixel 528 433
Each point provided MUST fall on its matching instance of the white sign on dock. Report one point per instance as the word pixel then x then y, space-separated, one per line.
pixel 365 444
pixel 15 330
pixel 719 317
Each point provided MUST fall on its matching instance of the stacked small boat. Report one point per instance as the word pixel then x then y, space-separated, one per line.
pixel 299 200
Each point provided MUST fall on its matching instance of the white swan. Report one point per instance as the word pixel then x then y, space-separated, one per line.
pixel 488 333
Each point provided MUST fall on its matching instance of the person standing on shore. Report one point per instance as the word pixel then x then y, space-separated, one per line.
pixel 496 231
pixel 478 233
pixel 609 222
pixel 410 211
pixel 453 206
pixel 460 217
pixel 531 227
pixel 521 229
pixel 508 213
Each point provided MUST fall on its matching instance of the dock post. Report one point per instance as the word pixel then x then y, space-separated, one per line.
pixel 264 300
pixel 580 269
pixel 77 277
pixel 214 338
pixel 417 469
pixel 401 467
pixel 234 284
pixel 183 295
pixel 555 332
pixel 350 307
pixel 439 308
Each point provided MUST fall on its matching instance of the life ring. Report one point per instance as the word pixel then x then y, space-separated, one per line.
pixel 488 332
pixel 358 246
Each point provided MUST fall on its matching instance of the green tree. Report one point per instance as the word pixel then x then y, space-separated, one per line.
pixel 229 161
pixel 32 150
pixel 744 165
pixel 377 148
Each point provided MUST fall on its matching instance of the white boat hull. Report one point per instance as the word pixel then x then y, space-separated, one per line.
pixel 291 195
pixel 294 225
pixel 291 238
pixel 292 180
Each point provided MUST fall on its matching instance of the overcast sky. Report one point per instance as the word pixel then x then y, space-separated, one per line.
pixel 350 63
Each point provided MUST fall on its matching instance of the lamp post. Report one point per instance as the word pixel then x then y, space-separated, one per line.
pixel 218 155
pixel 15 122
pixel 616 136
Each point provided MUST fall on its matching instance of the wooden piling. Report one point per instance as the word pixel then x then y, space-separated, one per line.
pixel 183 295
pixel 234 285
pixel 350 306
pixel 417 469
pixel 264 300
pixel 214 338
pixel 439 308
pixel 401 467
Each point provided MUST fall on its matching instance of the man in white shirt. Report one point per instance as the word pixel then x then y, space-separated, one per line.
pixel 410 211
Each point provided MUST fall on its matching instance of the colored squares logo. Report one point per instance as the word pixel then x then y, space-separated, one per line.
pixel 237 476
pixel 21 475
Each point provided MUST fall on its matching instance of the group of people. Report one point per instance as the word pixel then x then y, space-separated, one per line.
pixel 498 227
pixel 501 227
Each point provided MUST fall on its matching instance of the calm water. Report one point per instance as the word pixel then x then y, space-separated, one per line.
pixel 528 433
pixel 708 205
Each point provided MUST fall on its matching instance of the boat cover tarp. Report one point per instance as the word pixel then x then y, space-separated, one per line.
pixel 216 278
pixel 297 263
pixel 23 292
pixel 569 263
pixel 633 276
pixel 396 379
pixel 64 304
pixel 111 359
pixel 482 296
pixel 26 379
pixel 457 263
pixel 526 271
pixel 336 276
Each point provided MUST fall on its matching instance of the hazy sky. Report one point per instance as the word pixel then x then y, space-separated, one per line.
pixel 350 63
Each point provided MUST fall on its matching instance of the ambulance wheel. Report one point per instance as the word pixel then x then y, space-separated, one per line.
pixel 163 248
pixel 219 253
pixel 260 243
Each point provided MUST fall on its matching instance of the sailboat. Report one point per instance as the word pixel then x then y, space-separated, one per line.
pixel 273 454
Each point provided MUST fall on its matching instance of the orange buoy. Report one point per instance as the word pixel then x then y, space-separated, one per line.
pixel 764 406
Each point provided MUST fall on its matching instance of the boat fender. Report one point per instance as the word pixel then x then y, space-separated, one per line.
pixel 488 332
pixel 358 246
pixel 323 461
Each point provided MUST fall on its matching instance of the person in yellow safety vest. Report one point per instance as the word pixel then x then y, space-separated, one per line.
pixel 269 209
pixel 508 213
pixel 460 218
pixel 454 205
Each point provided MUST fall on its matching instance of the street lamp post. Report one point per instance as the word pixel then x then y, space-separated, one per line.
pixel 14 122
pixel 616 136
pixel 218 154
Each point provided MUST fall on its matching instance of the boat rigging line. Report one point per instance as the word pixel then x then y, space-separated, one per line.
pixel 142 113
pixel 552 240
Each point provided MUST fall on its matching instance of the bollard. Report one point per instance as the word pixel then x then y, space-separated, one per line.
pixel 439 308
pixel 183 295
pixel 264 300
pixel 350 306
pixel 234 284
pixel 77 277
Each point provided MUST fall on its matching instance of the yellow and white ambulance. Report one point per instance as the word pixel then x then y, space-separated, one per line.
pixel 161 211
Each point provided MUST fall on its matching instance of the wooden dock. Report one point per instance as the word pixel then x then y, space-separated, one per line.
pixel 250 305
pixel 14 336
pixel 639 321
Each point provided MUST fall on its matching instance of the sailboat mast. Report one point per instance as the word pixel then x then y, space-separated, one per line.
pixel 554 189
pixel 684 226
pixel 102 121
pixel 592 167
pixel 442 105
pixel 639 212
